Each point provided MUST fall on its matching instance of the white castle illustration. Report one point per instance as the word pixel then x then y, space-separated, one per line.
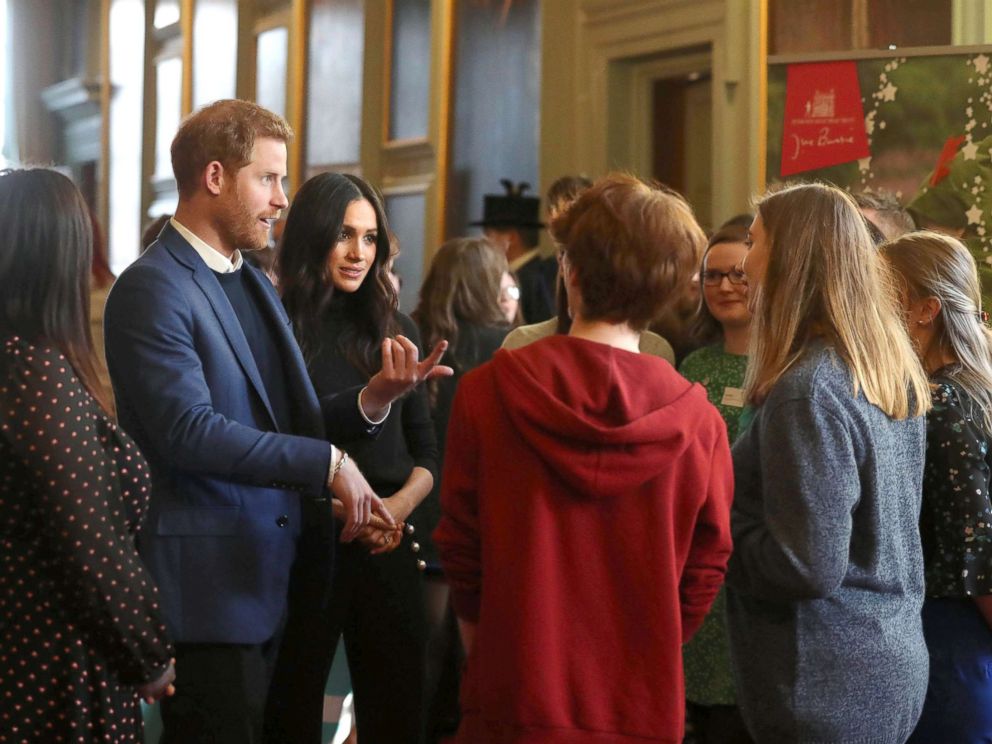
pixel 822 104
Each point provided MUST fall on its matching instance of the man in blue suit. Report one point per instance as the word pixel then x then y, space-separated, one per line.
pixel 211 383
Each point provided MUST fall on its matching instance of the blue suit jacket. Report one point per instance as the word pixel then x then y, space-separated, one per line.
pixel 226 508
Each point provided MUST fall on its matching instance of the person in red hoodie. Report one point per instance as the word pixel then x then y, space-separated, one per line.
pixel 586 497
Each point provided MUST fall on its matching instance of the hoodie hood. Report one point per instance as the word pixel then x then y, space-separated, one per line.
pixel 605 420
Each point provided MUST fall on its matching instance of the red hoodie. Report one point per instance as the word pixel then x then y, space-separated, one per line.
pixel 585 529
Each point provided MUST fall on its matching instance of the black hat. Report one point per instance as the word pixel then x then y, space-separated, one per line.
pixel 512 209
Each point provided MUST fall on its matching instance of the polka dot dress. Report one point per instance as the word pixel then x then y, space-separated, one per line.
pixel 80 625
pixel 956 520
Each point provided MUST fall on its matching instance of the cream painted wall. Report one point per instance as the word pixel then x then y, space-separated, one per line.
pixel 585 44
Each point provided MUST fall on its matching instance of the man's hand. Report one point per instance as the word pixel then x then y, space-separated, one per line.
pixel 359 500
pixel 401 372
pixel 154 690
pixel 378 536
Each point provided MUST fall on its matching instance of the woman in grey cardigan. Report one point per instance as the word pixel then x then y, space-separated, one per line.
pixel 826 581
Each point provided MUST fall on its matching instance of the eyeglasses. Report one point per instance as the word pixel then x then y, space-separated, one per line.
pixel 713 277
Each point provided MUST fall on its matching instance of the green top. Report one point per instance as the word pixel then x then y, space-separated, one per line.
pixel 706 658
pixel 722 375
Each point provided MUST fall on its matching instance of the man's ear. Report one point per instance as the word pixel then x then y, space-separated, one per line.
pixel 213 177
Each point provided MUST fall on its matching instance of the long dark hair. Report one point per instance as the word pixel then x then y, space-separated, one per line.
pixel 45 267
pixel 312 229
pixel 461 286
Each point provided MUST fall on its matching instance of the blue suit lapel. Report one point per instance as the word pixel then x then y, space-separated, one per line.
pixel 208 284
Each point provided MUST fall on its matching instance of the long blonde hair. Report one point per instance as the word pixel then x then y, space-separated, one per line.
pixel 826 280
pixel 935 265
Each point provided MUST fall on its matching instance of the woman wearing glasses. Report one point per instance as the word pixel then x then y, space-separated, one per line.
pixel 723 316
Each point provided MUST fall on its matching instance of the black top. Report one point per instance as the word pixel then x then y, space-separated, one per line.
pixel 261 341
pixel 80 622
pixel 537 280
pixel 407 437
pixel 475 345
pixel 956 520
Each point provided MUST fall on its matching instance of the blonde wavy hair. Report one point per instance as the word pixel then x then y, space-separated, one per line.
pixel 934 265
pixel 826 280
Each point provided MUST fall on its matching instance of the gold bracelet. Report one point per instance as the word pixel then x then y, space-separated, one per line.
pixel 340 464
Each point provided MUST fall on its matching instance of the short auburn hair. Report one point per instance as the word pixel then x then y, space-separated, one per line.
pixel 224 131
pixel 633 246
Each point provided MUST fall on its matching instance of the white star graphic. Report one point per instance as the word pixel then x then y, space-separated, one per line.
pixel 864 163
pixel 889 92
pixel 981 63
pixel 870 122
pixel 974 215
pixel 970 151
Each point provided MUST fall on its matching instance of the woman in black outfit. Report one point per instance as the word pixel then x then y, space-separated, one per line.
pixel 81 635
pixel 460 303
pixel 332 269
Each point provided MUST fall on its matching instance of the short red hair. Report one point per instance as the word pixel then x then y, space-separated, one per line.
pixel 634 248
pixel 224 131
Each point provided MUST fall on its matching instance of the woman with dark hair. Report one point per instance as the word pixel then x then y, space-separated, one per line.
pixel 585 499
pixel 461 301
pixel 333 273
pixel 80 627
pixel 724 321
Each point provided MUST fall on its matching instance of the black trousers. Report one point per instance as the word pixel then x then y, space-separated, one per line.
pixel 377 603
pixel 715 724
pixel 221 692
pixel 445 659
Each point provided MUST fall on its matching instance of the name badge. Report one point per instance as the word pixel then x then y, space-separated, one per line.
pixel 733 397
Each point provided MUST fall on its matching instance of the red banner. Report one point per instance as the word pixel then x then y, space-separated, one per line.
pixel 824 118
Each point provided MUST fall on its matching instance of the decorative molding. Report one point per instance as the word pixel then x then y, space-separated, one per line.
pixel 78 104
pixel 418 147
pixel 314 169
pixel 611 11
pixel 407 185
pixel 608 13
pixel 655 28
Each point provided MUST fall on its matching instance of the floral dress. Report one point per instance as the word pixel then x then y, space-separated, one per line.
pixel 79 619
pixel 956 521
pixel 706 658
